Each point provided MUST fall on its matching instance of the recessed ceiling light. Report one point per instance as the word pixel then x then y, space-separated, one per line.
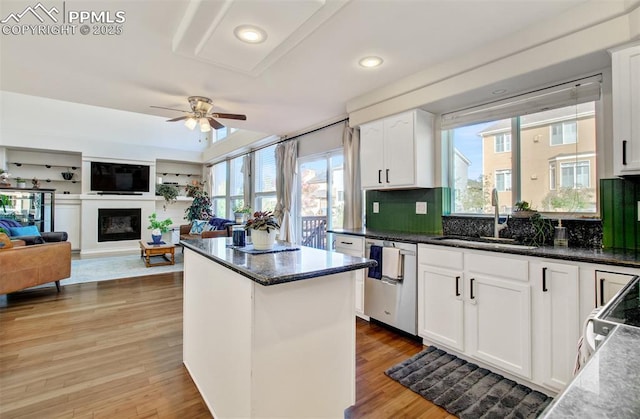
pixel 370 62
pixel 250 34
pixel 499 91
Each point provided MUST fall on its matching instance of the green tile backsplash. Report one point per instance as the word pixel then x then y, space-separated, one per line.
pixel 398 210
pixel 619 212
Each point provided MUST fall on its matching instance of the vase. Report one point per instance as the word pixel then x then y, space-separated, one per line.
pixel 156 236
pixel 263 240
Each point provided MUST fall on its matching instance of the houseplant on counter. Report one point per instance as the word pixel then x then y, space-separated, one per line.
pixel 264 228
pixel 158 227
pixel 241 213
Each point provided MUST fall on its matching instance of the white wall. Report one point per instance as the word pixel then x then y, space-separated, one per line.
pixel 47 124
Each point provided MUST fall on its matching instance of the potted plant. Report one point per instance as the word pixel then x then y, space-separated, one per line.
pixel 241 213
pixel 158 227
pixel 264 227
pixel 20 183
pixel 168 192
pixel 522 209
pixel 200 208
pixel 4 202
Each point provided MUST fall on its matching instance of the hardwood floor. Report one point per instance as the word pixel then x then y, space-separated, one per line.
pixel 113 349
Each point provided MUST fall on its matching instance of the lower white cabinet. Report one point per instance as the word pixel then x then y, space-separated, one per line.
pixel 67 218
pixel 608 284
pixel 441 306
pixel 354 246
pixel 556 321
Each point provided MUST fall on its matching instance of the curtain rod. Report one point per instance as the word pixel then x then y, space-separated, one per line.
pixel 282 140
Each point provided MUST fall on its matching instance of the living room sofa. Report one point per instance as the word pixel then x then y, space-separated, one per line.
pixel 219 227
pixel 27 266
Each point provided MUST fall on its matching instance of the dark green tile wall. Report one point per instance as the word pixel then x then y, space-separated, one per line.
pixel 398 210
pixel 619 211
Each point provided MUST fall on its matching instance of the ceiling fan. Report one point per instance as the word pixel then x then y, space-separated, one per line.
pixel 201 114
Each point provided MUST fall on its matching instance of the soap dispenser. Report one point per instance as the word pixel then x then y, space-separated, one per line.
pixel 561 237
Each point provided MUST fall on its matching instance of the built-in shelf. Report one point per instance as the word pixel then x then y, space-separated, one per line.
pixel 178 174
pixel 48 166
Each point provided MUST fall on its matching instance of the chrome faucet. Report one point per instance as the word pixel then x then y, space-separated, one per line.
pixel 496 219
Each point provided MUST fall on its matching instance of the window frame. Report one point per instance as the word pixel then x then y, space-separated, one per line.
pixel 562 125
pixel 505 140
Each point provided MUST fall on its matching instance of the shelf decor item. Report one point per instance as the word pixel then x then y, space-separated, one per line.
pixel 264 228
pixel 523 210
pixel 67 175
pixel 20 183
pixel 158 227
pixel 168 192
pixel 4 179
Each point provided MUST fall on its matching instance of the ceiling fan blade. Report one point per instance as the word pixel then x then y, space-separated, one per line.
pixel 229 116
pixel 180 118
pixel 170 109
pixel 215 124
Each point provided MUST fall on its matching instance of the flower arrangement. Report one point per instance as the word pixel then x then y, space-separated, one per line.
pixel 155 224
pixel 262 221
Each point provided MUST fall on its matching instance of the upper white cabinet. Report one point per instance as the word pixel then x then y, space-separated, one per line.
pixel 625 67
pixel 397 151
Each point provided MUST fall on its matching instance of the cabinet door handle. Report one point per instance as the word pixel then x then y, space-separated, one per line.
pixel 346 242
pixel 601 291
pixel 380 176
pixel 544 280
pixel 471 296
pixel 387 174
pixel 457 286
pixel 624 152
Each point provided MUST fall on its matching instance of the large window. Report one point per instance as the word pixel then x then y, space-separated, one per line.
pixel 236 184
pixel 553 152
pixel 265 179
pixel 219 189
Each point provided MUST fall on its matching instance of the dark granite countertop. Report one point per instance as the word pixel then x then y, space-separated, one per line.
pixel 279 267
pixel 615 257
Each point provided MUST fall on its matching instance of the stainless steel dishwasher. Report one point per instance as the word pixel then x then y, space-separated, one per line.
pixel 393 301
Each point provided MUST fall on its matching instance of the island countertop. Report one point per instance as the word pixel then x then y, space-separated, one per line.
pixel 279 267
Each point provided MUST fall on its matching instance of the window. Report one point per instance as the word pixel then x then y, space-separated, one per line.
pixel 321 197
pixel 575 175
pixel 222 133
pixel 483 158
pixel 265 179
pixel 502 142
pixel 219 189
pixel 503 180
pixel 564 133
pixel 236 185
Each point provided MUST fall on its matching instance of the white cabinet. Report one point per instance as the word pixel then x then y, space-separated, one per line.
pixel 440 297
pixel 625 65
pixel 397 151
pixel 608 284
pixel 498 315
pixel 477 303
pixel 556 321
pixel 354 246
pixel 67 218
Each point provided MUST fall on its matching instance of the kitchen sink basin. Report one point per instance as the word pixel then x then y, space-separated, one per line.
pixel 486 242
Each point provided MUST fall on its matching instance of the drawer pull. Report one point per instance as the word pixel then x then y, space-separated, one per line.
pixel 601 291
pixel 387 175
pixel 457 286
pixel 624 152
pixel 471 287
pixel 380 176
pixel 346 242
pixel 544 280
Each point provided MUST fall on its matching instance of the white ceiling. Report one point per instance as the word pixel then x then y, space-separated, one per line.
pixel 302 75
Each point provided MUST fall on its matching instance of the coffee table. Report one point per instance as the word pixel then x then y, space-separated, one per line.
pixel 147 250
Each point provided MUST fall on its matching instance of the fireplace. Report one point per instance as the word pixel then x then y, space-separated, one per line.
pixel 116 224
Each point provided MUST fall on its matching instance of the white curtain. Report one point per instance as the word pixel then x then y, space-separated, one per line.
pixel 286 171
pixel 352 190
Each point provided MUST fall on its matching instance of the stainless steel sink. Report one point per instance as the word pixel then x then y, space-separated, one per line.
pixel 488 242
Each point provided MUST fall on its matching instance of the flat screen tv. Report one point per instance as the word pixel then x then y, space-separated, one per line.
pixel 119 177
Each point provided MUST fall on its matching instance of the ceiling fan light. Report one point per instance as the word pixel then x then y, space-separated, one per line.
pixel 190 123
pixel 204 125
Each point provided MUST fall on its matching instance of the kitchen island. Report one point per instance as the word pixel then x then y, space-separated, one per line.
pixel 270 335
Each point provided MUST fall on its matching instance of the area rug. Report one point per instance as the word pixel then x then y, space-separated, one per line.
pixel 466 390
pixel 115 267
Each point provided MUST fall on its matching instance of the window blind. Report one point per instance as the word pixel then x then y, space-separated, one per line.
pixel 578 91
